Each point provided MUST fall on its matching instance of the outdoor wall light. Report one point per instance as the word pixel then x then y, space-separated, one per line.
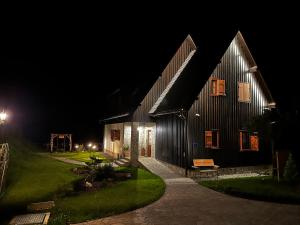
pixel 76 146
pixel 90 145
pixel 94 147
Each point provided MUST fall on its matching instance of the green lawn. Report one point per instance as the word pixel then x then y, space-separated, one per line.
pixel 260 188
pixel 143 189
pixel 79 156
pixel 33 178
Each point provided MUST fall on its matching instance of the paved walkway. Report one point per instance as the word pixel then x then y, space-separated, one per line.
pixel 71 161
pixel 187 203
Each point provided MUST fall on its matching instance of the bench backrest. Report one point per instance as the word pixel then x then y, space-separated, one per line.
pixel 203 162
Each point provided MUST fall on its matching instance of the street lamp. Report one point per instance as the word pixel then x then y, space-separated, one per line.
pixel 3 117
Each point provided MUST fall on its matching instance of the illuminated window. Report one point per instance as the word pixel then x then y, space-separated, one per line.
pixel 217 87
pixel 212 139
pixel 249 141
pixel 244 92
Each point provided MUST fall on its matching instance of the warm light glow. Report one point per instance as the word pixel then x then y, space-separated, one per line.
pixel 90 145
pixel 3 116
pixel 197 114
pixel 76 146
pixel 255 89
pixel 94 147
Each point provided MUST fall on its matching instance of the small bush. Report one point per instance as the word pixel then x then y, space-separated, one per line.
pixel 104 172
pixel 290 173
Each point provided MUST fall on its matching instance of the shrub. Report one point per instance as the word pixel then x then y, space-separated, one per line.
pixel 290 173
pixel 104 172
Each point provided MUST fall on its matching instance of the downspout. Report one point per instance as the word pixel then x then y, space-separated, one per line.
pixel 186 143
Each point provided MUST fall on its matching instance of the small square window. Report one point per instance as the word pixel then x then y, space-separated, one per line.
pixel 212 139
pixel 217 87
pixel 244 94
pixel 249 141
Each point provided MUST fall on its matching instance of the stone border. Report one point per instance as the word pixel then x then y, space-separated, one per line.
pixel 259 169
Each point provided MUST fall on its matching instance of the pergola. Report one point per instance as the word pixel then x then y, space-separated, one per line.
pixel 61 136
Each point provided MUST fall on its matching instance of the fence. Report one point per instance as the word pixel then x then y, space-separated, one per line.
pixel 4 158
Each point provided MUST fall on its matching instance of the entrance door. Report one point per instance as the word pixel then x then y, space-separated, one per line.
pixel 148 142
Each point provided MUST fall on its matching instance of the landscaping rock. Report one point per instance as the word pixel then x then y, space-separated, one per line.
pixel 39 206
pixel 123 175
pixel 88 184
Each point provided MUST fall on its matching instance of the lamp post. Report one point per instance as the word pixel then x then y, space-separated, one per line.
pixel 274 153
pixel 3 117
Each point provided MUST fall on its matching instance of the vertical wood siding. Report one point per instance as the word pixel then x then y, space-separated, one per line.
pixel 141 114
pixel 170 141
pixel 226 113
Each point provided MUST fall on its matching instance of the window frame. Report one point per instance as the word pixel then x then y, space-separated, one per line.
pixel 217 82
pixel 250 136
pixel 218 138
pixel 243 91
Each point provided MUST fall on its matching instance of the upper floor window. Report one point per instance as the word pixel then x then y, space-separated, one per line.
pixel 244 92
pixel 217 87
pixel 212 139
pixel 249 141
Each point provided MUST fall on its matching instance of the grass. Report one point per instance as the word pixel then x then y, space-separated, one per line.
pixel 33 178
pixel 143 189
pixel 259 188
pixel 79 156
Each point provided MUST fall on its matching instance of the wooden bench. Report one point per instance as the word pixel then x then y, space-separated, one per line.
pixel 205 166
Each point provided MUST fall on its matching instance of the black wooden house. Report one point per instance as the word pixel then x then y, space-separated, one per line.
pixel 199 107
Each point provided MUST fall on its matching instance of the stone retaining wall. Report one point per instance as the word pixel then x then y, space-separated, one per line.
pixel 260 169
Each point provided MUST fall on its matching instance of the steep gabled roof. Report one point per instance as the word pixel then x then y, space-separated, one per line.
pixel 175 76
pixel 178 86
pixel 184 92
pixel 167 79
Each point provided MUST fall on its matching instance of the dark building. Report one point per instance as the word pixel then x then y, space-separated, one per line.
pixel 199 107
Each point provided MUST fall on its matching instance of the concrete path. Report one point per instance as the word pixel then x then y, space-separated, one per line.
pixel 187 203
pixel 70 161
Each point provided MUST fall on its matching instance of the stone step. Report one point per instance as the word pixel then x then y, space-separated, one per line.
pixel 115 165
pixel 125 160
pixel 120 163
pixel 35 218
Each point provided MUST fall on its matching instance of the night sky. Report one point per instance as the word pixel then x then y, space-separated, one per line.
pixel 64 68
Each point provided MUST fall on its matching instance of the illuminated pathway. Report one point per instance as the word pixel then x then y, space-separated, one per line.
pixel 187 203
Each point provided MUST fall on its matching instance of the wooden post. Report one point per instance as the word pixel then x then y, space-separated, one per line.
pixel 70 143
pixel 277 165
pixel 57 146
pixel 51 143
pixel 64 142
